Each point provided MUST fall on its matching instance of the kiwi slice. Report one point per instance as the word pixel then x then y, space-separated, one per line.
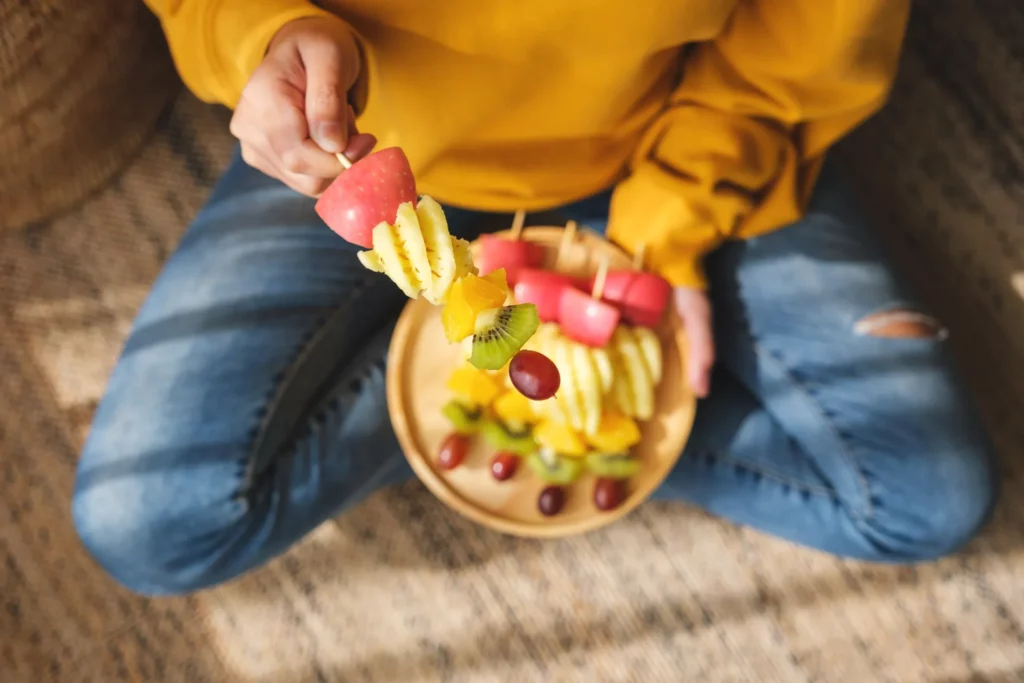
pixel 500 333
pixel 613 465
pixel 554 468
pixel 465 420
pixel 503 437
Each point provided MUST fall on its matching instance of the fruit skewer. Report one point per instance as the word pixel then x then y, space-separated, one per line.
pixel 373 203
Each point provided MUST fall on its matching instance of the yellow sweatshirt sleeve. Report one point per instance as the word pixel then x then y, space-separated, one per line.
pixel 737 151
pixel 217 44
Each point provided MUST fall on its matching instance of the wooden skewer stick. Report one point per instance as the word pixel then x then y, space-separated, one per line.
pixel 517 224
pixel 638 256
pixel 343 160
pixel 599 279
pixel 568 235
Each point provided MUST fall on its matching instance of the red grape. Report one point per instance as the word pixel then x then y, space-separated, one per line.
pixel 534 375
pixel 551 500
pixel 504 465
pixel 453 451
pixel 609 493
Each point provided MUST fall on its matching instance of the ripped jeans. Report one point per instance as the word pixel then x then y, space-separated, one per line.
pixel 248 405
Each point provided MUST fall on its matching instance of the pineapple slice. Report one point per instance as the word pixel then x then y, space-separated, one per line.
pixel 418 253
pixel 640 383
pixel 588 384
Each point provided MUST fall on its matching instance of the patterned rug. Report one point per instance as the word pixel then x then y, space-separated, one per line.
pixel 403 591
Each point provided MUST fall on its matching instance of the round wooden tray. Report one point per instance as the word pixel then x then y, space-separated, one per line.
pixel 419 363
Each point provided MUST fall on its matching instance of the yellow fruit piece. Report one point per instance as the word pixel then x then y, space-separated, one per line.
pixel 476 387
pixel 568 393
pixel 370 261
pixel 605 371
pixel 560 438
pixel 588 386
pixel 413 246
pixel 616 434
pixel 623 393
pixel 438 245
pixel 514 408
pixel 463 258
pixel 485 292
pixel 456 316
pixel 632 366
pixel 418 253
pixel 650 349
pixel 393 259
pixel 469 296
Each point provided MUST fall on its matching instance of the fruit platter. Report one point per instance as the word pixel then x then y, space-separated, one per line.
pixel 569 464
pixel 534 379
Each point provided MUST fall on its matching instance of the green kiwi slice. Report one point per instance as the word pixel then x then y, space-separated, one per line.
pixel 502 437
pixel 612 465
pixel 554 468
pixel 500 333
pixel 465 420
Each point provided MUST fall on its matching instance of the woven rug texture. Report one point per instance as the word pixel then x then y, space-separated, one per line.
pixel 401 590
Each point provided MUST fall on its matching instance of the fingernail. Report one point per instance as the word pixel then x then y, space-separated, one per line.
pixel 328 135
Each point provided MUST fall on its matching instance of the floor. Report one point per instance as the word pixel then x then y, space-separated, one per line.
pixel 402 590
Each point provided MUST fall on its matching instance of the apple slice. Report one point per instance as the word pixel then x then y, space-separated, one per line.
pixel 512 255
pixel 586 319
pixel 642 297
pixel 542 288
pixel 368 194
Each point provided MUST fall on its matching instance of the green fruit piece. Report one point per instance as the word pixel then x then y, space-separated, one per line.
pixel 613 465
pixel 465 420
pixel 500 333
pixel 503 438
pixel 553 468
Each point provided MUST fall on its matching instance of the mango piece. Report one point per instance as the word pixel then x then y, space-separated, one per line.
pixel 476 387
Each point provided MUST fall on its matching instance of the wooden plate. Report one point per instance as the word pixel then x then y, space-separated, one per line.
pixel 419 363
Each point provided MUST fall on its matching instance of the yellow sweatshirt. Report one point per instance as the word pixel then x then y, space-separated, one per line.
pixel 710 117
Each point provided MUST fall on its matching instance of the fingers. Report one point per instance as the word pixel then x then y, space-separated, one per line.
pixel 307 185
pixel 359 145
pixel 293 116
pixel 695 312
pixel 329 75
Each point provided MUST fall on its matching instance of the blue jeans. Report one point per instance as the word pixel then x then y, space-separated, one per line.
pixel 248 405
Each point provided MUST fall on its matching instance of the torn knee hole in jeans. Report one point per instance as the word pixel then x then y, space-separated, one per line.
pixel 900 323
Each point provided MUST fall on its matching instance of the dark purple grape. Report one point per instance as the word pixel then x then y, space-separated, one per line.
pixel 504 465
pixel 534 375
pixel 551 501
pixel 453 451
pixel 609 493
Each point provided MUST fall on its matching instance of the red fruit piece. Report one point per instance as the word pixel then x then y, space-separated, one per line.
pixel 504 465
pixel 534 375
pixel 543 288
pixel 587 320
pixel 512 255
pixel 367 194
pixel 453 451
pixel 609 493
pixel 551 500
pixel 642 297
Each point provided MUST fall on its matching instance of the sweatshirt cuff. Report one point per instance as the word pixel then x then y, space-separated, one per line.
pixel 651 210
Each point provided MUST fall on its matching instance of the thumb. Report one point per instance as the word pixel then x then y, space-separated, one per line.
pixel 329 75
pixel 695 311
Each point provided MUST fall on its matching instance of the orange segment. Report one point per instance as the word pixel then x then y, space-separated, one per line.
pixel 560 438
pixel 616 434
pixel 456 316
pixel 477 387
pixel 514 408
pixel 468 296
